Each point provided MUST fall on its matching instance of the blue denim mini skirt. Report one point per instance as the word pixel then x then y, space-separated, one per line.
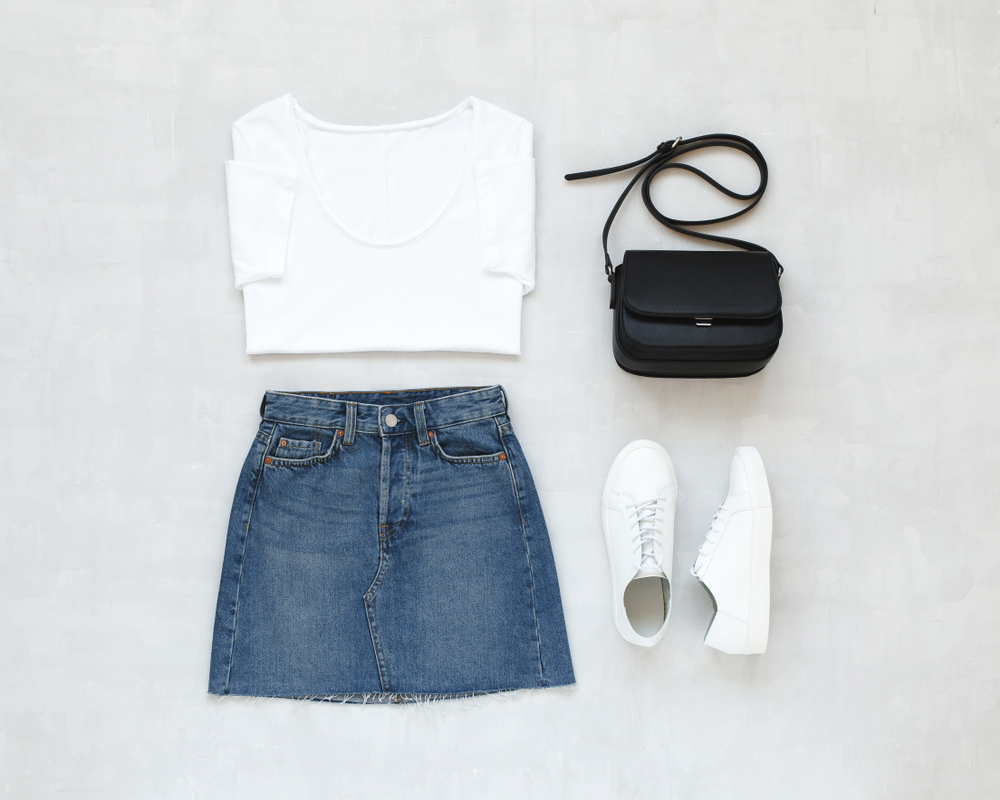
pixel 387 547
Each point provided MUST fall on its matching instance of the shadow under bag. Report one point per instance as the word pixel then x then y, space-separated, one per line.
pixel 693 314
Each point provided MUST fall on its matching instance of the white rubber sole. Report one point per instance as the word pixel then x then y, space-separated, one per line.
pixel 759 616
pixel 629 635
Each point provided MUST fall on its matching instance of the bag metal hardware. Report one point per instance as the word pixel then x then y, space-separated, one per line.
pixel 703 322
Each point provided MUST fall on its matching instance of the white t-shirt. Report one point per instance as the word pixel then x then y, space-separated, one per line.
pixel 416 236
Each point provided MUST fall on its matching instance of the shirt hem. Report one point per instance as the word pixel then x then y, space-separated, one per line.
pixel 343 351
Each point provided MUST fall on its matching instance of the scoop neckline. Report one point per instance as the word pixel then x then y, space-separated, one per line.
pixel 296 113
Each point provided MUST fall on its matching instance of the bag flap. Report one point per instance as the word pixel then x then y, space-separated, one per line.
pixel 700 283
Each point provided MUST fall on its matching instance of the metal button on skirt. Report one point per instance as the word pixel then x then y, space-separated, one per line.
pixel 387 547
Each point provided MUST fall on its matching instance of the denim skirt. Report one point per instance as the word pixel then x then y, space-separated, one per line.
pixel 387 547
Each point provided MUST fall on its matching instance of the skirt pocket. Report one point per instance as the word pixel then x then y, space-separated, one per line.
pixel 300 446
pixel 476 442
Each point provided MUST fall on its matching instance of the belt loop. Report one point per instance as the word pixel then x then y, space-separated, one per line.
pixel 263 405
pixel 351 424
pixel 422 437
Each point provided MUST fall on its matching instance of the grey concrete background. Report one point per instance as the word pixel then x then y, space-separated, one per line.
pixel 127 402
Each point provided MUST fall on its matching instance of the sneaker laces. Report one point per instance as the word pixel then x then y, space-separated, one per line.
pixel 711 541
pixel 647 539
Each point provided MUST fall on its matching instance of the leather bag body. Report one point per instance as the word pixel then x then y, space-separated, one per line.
pixel 695 313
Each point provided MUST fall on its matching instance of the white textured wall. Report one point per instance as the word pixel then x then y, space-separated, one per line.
pixel 127 403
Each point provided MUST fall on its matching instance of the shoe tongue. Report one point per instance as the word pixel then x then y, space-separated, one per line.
pixel 649 552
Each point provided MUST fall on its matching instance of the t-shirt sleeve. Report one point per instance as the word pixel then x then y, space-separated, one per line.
pixel 506 193
pixel 260 210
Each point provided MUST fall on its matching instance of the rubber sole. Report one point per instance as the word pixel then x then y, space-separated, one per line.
pixel 759 616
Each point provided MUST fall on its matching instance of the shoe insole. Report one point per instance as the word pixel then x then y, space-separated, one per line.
pixel 715 607
pixel 646 601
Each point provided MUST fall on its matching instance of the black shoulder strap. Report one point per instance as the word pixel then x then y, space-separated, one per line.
pixel 662 159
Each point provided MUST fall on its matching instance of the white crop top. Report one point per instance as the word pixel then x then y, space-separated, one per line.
pixel 416 236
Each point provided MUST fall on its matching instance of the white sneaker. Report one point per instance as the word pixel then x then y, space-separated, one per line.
pixel 640 498
pixel 734 563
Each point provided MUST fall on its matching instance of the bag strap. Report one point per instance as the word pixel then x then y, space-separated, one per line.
pixel 663 159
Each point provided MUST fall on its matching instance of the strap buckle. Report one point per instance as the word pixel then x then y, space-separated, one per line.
pixel 663 147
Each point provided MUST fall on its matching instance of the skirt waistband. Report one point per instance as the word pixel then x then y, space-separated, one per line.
pixel 386 413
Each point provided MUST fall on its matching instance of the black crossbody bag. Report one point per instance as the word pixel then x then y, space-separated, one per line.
pixel 693 314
